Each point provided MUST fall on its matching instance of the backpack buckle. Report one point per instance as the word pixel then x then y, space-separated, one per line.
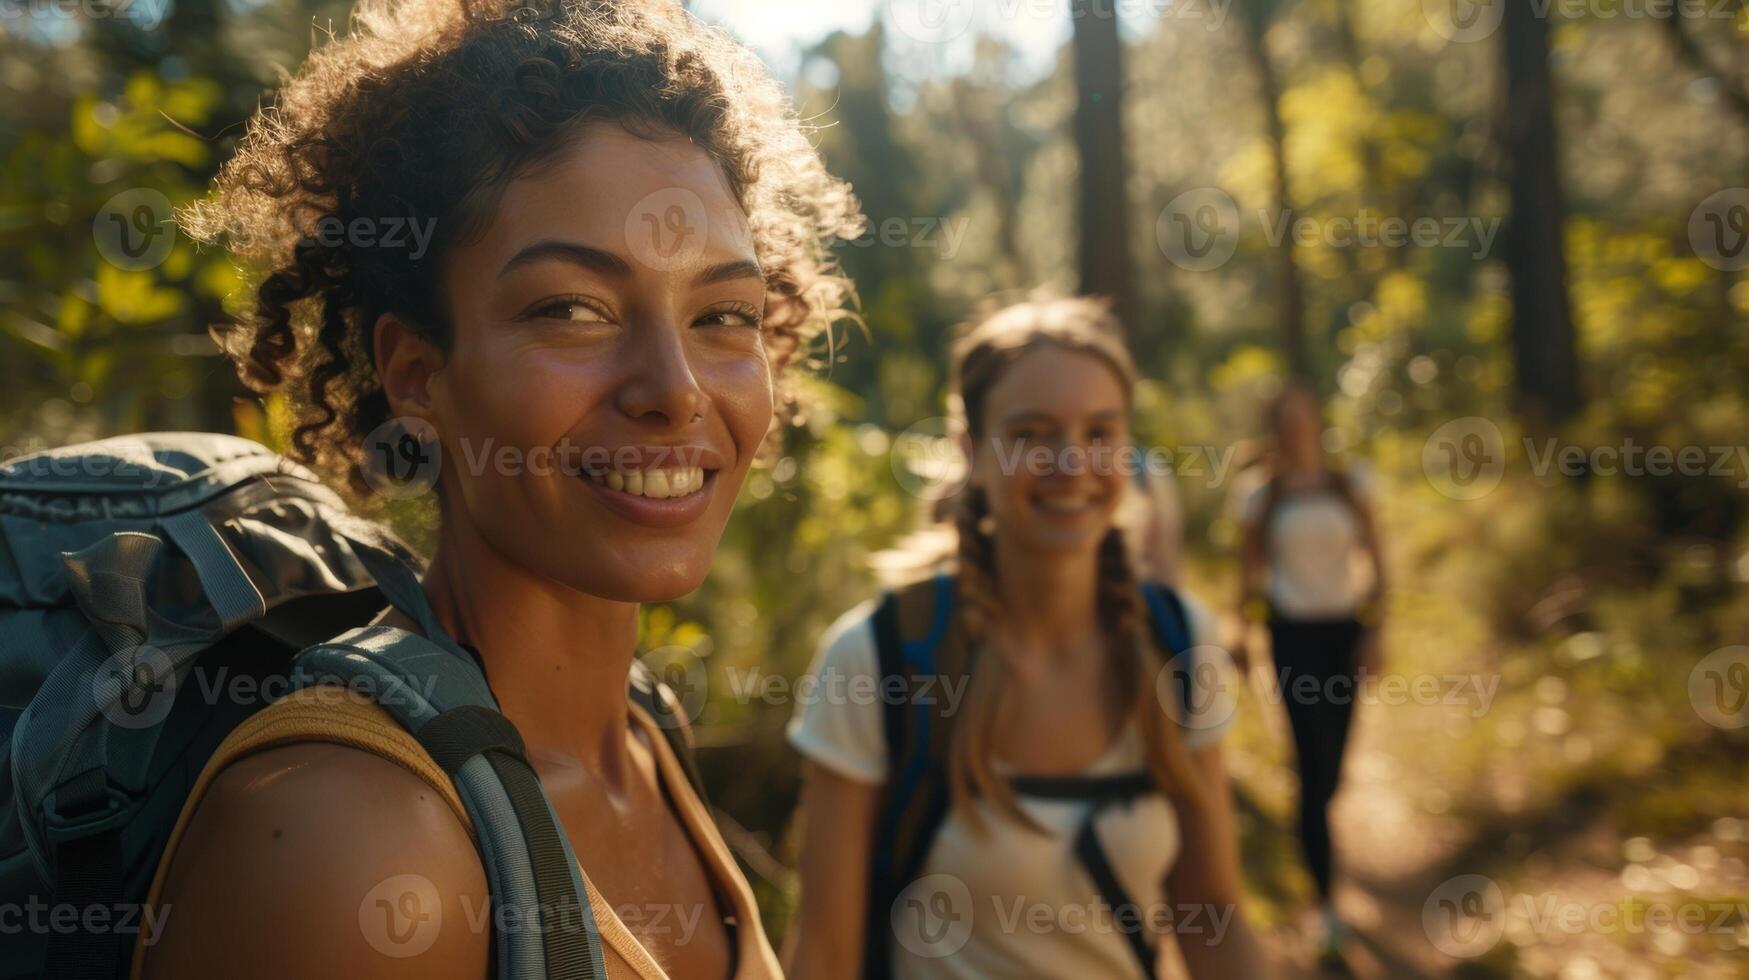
pixel 86 804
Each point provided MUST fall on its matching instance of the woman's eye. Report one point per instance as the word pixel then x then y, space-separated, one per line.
pixel 574 310
pixel 738 315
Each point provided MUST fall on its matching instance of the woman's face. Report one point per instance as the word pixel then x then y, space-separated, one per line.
pixel 1048 460
pixel 608 384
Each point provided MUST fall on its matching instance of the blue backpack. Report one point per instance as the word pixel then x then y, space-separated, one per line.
pixel 127 564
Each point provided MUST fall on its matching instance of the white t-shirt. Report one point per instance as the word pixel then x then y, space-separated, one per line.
pixel 1008 902
pixel 1312 547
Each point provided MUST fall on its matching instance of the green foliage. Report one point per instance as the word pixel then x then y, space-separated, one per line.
pixel 1590 596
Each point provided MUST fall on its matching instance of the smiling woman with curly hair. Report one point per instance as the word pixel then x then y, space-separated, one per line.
pixel 585 232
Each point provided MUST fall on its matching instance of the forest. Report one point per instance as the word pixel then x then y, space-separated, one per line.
pixel 1505 239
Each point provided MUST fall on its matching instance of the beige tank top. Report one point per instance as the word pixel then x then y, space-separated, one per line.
pixel 309 716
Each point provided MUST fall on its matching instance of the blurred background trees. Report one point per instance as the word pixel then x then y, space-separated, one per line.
pixel 1583 171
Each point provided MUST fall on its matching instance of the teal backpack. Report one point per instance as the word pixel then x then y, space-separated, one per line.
pixel 157 590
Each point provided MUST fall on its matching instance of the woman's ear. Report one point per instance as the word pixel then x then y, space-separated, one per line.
pixel 405 363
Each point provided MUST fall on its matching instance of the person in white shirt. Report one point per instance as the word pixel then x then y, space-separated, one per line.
pixel 1311 569
pixel 1043 803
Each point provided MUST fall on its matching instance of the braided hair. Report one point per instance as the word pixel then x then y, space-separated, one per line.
pixel 985 350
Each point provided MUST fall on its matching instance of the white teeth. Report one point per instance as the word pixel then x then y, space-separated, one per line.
pixel 655 484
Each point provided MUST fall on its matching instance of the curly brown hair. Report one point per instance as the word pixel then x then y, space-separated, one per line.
pixel 424 112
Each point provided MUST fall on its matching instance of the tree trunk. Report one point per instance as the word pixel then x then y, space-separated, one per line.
pixel 1546 364
pixel 1293 313
pixel 1105 268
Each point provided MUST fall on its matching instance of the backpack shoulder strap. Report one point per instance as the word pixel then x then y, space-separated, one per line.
pixel 658 700
pixel 1171 624
pixel 319 713
pixel 442 700
pixel 913 628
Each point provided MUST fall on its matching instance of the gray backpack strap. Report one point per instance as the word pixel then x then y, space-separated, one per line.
pixel 435 691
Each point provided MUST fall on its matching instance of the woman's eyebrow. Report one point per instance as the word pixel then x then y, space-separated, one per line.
pixel 729 271
pixel 576 253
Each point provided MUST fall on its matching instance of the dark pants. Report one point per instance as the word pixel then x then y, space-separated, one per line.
pixel 1325 652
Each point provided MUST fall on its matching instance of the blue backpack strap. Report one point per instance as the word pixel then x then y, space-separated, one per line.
pixel 919 661
pixel 908 729
pixel 1171 625
pixel 440 696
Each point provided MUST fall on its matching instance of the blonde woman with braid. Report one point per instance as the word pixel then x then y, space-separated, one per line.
pixel 1003 777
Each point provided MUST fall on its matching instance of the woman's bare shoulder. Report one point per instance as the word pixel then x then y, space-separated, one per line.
pixel 319 861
